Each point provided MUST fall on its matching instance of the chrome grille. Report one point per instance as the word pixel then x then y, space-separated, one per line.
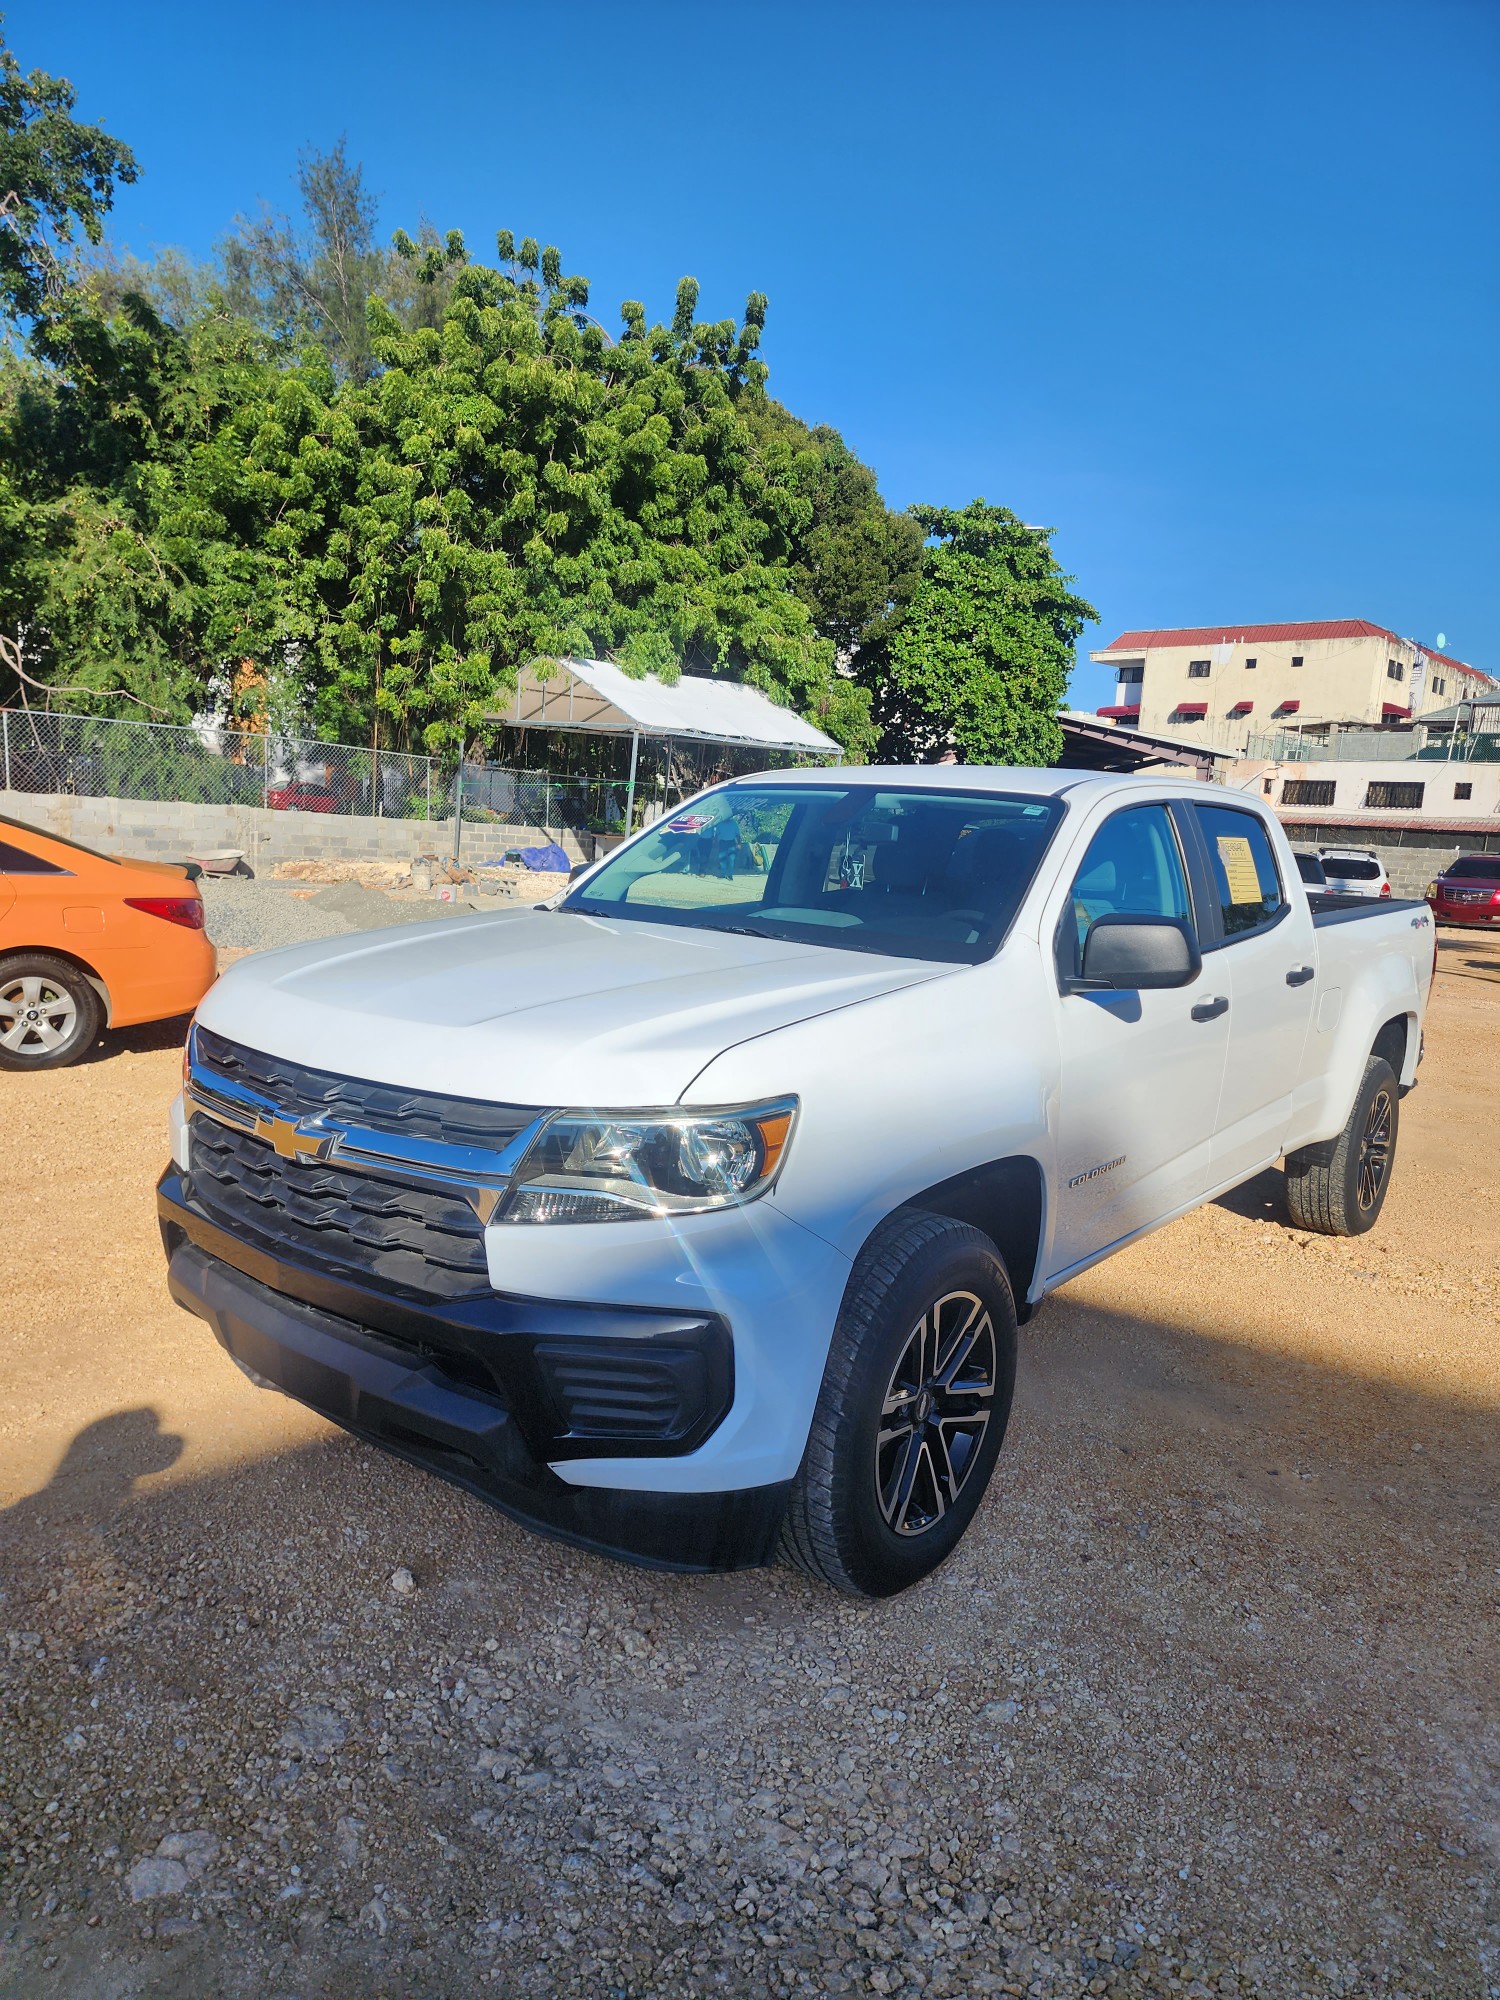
pixel 299 1092
pixel 347 1224
pixel 351 1177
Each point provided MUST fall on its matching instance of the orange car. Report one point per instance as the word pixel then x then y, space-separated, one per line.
pixel 87 942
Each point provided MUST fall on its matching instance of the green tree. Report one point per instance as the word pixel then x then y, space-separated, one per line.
pixel 855 561
pixel 57 178
pixel 980 656
pixel 513 486
pixel 314 284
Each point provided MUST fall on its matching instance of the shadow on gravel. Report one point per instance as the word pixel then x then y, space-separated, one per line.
pixel 1262 1199
pixel 96 1475
pixel 143 1040
pixel 1206 1687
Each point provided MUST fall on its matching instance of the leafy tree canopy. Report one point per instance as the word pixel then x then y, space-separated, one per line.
pixel 57 177
pixel 980 657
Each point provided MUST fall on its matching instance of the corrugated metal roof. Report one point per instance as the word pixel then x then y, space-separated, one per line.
pixel 597 696
pixel 1377 822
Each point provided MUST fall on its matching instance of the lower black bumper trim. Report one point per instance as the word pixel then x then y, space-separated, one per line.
pixel 384 1393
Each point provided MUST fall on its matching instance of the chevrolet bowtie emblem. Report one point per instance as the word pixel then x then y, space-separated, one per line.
pixel 292 1140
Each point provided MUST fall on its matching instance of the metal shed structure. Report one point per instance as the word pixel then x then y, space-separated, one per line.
pixel 601 699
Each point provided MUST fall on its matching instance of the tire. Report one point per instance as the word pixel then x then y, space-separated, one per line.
pixel 1338 1188
pixel 872 1509
pixel 49 1013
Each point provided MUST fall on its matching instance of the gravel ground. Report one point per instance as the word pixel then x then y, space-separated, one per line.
pixel 1205 1703
pixel 259 915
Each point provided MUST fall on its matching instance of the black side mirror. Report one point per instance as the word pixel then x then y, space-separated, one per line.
pixel 1124 954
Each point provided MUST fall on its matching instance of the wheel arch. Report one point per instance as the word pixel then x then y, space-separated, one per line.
pixel 68 958
pixel 1393 1042
pixel 1006 1199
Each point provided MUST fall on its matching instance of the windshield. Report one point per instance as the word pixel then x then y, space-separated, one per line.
pixel 1475 868
pixel 1350 869
pixel 917 874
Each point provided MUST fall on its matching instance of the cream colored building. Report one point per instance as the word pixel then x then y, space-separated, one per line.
pixel 1221 685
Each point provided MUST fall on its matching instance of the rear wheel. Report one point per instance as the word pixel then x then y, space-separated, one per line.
pixel 1338 1188
pixel 49 1013
pixel 913 1408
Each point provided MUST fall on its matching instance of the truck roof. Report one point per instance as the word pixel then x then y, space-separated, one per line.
pixel 1040 781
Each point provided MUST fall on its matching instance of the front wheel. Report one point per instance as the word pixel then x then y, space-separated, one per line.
pixel 1338 1188
pixel 912 1413
pixel 49 1013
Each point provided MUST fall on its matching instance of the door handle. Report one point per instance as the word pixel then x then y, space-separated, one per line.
pixel 1300 974
pixel 1210 1010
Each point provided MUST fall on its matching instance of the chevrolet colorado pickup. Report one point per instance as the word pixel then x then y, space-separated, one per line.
pixel 691 1214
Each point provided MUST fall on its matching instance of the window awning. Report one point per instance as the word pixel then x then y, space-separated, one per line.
pixel 1124 714
pixel 1242 708
pixel 1192 708
pixel 1392 711
pixel 597 696
pixel 1287 707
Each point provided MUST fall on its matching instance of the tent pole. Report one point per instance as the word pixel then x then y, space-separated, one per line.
pixel 635 751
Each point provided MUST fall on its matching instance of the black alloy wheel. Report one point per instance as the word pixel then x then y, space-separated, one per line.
pixel 936 1411
pixel 912 1412
pixel 1339 1186
pixel 1376 1144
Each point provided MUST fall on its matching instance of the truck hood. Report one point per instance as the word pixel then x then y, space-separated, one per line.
pixel 538 1007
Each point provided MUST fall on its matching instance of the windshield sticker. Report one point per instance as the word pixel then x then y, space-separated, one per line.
pixel 688 823
pixel 1238 864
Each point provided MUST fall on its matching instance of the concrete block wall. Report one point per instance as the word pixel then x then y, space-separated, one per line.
pixel 175 831
pixel 1411 858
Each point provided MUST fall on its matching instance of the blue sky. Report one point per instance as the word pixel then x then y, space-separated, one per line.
pixel 1214 289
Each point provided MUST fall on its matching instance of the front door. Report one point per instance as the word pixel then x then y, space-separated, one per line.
pixel 1141 1072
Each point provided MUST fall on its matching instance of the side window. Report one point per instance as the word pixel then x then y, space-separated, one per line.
pixel 16 861
pixel 1244 869
pixel 1133 867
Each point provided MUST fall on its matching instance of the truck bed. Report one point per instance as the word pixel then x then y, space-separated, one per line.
pixel 1346 909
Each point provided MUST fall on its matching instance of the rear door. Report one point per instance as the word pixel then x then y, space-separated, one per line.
pixel 27 879
pixel 1263 961
pixel 1140 1072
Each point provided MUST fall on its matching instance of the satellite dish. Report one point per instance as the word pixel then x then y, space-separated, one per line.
pixel 1442 640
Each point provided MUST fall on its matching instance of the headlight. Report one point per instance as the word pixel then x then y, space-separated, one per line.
pixel 586 1168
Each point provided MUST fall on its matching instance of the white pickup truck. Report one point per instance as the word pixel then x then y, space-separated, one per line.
pixel 691 1215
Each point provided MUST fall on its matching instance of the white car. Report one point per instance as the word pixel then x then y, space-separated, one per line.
pixel 692 1214
pixel 1354 871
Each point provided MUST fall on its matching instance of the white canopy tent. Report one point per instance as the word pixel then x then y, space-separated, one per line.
pixel 595 696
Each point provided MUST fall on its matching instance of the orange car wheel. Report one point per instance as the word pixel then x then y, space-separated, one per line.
pixel 49 1013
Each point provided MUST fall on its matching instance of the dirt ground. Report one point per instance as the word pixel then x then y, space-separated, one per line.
pixel 1206 1703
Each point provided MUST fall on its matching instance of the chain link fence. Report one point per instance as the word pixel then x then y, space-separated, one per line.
pixel 96 757
pixel 90 756
pixel 491 793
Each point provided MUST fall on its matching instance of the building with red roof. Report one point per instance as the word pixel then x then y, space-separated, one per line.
pixel 1222 685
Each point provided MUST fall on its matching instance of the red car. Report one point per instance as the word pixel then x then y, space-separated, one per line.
pixel 1467 891
pixel 302 798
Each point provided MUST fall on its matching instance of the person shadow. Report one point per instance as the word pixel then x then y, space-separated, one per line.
pixel 96 1475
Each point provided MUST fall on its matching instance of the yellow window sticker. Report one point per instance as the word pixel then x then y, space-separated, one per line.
pixel 1238 864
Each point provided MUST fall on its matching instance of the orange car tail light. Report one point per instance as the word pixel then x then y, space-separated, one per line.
pixel 184 910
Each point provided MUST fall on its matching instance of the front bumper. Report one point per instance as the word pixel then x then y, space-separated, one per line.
pixel 491 1392
pixel 1478 915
